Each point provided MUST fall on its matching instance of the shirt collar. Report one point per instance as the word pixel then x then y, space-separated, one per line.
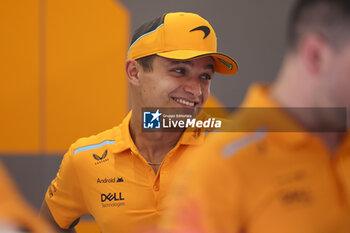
pixel 123 140
pixel 258 97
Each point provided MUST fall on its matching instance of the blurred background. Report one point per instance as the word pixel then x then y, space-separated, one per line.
pixel 62 70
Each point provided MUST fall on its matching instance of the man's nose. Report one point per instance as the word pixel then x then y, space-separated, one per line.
pixel 193 86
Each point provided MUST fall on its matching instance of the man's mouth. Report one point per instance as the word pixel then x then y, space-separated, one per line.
pixel 184 102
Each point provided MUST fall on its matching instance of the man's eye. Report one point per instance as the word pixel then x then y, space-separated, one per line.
pixel 206 76
pixel 179 70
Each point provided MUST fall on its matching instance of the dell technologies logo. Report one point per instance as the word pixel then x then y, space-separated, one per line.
pixel 112 200
pixel 111 197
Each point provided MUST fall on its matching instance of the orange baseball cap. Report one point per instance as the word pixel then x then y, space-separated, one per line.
pixel 181 36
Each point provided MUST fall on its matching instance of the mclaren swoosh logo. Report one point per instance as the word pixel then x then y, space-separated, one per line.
pixel 205 29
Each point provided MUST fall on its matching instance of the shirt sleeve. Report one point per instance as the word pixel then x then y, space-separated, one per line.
pixel 205 196
pixel 64 196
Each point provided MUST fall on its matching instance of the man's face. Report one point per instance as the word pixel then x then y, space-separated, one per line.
pixel 176 83
pixel 335 87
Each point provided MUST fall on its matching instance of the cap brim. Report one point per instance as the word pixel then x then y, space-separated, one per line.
pixel 223 63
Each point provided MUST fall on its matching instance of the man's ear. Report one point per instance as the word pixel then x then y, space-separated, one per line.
pixel 132 69
pixel 313 50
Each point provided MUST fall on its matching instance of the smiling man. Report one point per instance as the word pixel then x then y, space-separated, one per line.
pixel 121 176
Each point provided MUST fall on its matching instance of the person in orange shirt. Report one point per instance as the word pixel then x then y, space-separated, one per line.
pixel 16 215
pixel 288 168
pixel 121 176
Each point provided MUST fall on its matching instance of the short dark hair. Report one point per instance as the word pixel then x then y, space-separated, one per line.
pixel 147 62
pixel 328 18
pixel 146 28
